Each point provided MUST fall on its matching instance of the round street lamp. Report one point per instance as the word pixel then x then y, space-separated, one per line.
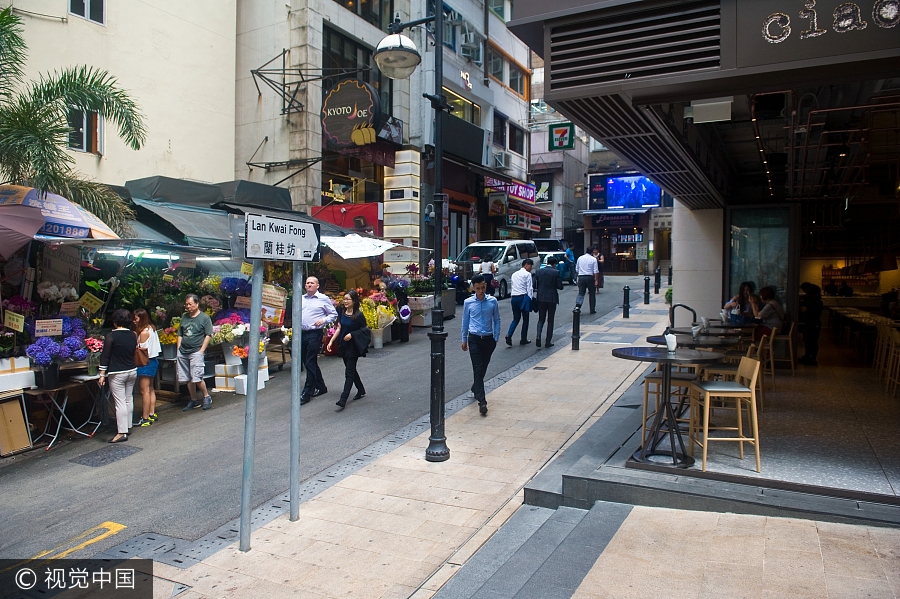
pixel 397 57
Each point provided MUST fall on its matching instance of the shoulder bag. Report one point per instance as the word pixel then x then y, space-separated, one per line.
pixel 141 355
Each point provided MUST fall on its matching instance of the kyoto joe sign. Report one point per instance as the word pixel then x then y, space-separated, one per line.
pixel 269 238
pixel 350 113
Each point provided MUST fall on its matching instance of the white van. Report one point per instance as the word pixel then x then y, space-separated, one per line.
pixel 507 254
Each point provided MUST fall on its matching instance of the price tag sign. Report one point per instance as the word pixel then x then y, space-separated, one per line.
pixel 246 268
pixel 168 278
pixel 242 302
pixel 48 328
pixel 69 309
pixel 188 262
pixel 90 302
pixel 13 321
pixel 273 296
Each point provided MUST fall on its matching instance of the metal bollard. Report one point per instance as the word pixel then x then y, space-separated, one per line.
pixel 670 274
pixel 657 280
pixel 646 290
pixel 576 327
pixel 626 302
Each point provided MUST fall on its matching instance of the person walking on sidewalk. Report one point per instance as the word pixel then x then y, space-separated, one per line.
pixel 149 340
pixel 480 333
pixel 588 271
pixel 549 284
pixel 318 312
pixel 194 333
pixel 117 364
pixel 521 290
pixel 570 261
pixel 351 327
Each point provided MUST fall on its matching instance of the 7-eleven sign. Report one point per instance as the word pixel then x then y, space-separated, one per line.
pixel 562 137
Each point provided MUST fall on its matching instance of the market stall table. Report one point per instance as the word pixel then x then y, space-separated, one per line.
pixel 56 400
pixel 649 446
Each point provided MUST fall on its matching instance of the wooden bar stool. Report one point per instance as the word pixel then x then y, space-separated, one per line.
pixel 788 340
pixel 743 392
pixel 728 372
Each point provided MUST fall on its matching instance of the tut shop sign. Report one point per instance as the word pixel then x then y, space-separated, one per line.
pixel 269 238
pixel 524 192
pixel 350 113
pixel 562 137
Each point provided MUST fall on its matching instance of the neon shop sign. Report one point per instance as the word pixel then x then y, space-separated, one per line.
pixel 847 17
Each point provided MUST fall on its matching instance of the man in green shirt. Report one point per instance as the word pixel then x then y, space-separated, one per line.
pixel 194 332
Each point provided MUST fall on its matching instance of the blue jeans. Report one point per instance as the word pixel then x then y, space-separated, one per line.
pixel 520 310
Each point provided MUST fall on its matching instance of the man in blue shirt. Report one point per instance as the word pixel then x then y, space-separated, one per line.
pixel 480 332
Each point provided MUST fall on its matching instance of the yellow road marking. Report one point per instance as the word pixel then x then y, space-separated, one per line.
pixel 109 529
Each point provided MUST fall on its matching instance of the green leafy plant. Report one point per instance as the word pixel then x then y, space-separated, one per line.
pixel 669 296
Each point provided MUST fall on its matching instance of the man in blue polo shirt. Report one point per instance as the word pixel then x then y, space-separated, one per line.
pixel 480 333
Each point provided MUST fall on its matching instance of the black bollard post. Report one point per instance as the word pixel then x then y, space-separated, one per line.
pixel 670 274
pixel 626 302
pixel 646 290
pixel 576 327
pixel 657 280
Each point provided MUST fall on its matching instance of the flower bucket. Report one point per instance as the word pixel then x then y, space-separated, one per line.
pixel 380 337
pixel 50 375
pixel 168 351
pixel 93 363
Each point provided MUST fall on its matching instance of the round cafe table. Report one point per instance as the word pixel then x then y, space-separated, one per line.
pixel 649 447
pixel 710 341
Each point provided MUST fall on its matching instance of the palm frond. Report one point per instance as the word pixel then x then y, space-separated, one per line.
pixel 103 202
pixel 33 138
pixel 13 51
pixel 94 90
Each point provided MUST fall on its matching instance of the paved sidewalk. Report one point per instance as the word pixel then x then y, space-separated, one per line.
pixel 402 527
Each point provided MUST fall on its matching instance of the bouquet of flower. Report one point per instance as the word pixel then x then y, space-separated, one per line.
pixel 169 336
pixel 289 332
pixel 19 305
pixel 211 284
pixel 159 314
pixel 7 343
pixel 56 292
pixel 227 332
pixel 94 345
pixel 240 352
pixel 232 316
pixel 209 304
pixel 235 286
pixel 46 351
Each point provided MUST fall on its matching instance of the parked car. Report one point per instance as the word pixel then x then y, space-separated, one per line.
pixel 561 265
pixel 547 244
pixel 507 254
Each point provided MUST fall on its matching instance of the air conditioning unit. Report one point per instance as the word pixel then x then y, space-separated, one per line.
pixel 471 52
pixel 454 18
pixel 470 39
pixel 502 160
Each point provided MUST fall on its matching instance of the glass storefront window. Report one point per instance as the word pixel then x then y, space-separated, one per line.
pixel 759 248
pixel 463 108
pixel 341 52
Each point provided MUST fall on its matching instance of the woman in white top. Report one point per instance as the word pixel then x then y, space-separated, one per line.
pixel 149 340
pixel 488 270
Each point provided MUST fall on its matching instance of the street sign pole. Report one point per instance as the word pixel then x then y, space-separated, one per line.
pixel 296 311
pixel 272 238
pixel 250 410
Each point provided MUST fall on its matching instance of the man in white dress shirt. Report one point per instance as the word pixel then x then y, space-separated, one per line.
pixel 521 288
pixel 588 272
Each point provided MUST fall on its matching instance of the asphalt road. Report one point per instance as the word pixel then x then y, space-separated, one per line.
pixel 185 479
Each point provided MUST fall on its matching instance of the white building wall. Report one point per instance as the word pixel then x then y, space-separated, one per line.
pixel 697 259
pixel 176 59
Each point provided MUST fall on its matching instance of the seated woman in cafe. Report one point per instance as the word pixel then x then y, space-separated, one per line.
pixel 768 312
pixel 740 307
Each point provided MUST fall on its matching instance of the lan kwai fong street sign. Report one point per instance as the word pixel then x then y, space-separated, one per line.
pixel 269 238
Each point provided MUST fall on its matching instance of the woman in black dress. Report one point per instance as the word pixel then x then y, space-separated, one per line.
pixel 350 322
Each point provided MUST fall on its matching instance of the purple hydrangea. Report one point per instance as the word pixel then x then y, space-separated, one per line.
pixel 43 351
pixel 41 358
pixel 235 286
pixel 72 343
pixel 67 325
pixel 64 353
pixel 80 354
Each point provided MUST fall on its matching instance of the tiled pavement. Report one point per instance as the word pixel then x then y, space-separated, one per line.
pixel 403 527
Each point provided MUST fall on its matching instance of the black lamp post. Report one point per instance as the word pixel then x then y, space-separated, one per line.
pixel 397 57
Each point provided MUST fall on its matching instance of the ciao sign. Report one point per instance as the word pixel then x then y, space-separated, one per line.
pixel 846 17
pixel 350 113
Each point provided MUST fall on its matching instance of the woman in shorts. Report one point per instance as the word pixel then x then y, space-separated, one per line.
pixel 149 340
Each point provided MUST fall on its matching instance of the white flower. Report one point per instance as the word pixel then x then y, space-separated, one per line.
pixel 239 330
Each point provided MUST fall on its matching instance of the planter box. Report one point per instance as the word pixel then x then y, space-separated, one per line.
pixel 448 303
pixel 420 303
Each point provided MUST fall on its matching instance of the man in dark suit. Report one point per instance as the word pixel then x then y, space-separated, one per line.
pixel 548 285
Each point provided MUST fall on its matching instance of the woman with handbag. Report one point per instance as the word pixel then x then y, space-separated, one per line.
pixel 117 364
pixel 148 345
pixel 488 268
pixel 353 337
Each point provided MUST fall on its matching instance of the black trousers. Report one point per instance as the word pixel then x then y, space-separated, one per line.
pixel 811 340
pixel 546 311
pixel 311 341
pixel 480 351
pixel 586 283
pixel 351 377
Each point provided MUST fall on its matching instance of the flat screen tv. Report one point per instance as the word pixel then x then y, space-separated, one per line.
pixel 632 192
